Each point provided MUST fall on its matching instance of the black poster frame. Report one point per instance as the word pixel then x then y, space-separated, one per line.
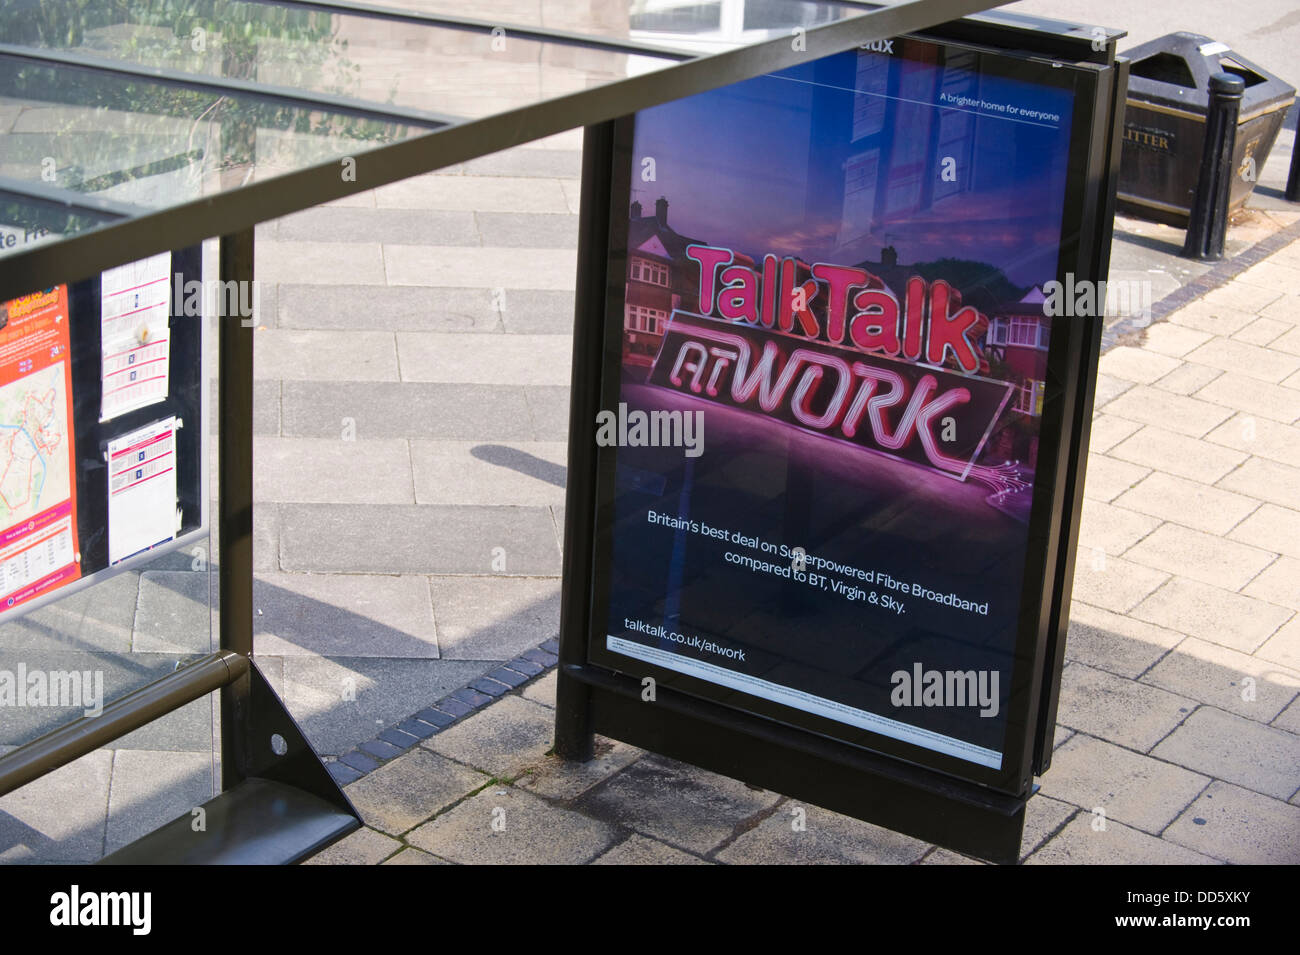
pixel 939 799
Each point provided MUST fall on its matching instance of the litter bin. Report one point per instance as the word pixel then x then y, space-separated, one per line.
pixel 1164 124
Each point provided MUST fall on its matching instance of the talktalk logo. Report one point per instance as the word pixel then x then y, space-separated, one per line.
pixel 928 324
pixel 829 349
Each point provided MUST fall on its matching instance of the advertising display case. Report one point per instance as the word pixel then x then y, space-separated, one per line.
pixel 103 414
pixel 844 380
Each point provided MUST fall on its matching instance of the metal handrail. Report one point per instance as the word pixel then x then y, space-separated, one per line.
pixel 73 740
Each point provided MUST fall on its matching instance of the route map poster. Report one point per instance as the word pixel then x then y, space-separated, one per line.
pixel 833 359
pixel 38 510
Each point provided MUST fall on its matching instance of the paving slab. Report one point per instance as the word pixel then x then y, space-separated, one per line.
pixel 1113 583
pixel 417 539
pixel 1109 430
pixel 1168 338
pixel 1189 503
pixel 542 691
pixel 356 615
pixel 1188 416
pixel 947 857
pixel 1211 613
pixel 1271 528
pixel 452 266
pixel 1044 817
pixel 1239 826
pixel 1252 396
pixel 1266 480
pixel 494 618
pixel 150 788
pixel 335 470
pixel 1284 646
pixel 1110 707
pixel 1250 295
pixel 1200 556
pixel 1108 389
pixel 295 354
pixel 1213 317
pixel 1187 378
pixel 185 730
pixel 173 613
pixel 1289 719
pixel 328 263
pixel 797 834
pixel 60 817
pixel 98 618
pixel 1241 358
pixel 352 225
pixel 402 308
pixel 1235 749
pixel 1250 686
pixel 484 359
pixel 638 850
pixel 410 856
pixel 1136 364
pixel 675 803
pixel 1174 453
pixel 506 826
pixel 406 410
pixel 363 847
pixel 1080 844
pixel 511 230
pixel 474 193
pixel 1278 584
pixel 503 741
pixel 1107 477
pixel 565 780
pixel 536 311
pixel 1134 789
pixel 341 702
pixel 410 789
pixel 1112 529
pixel 486 473
pixel 1114 642
pixel 548 408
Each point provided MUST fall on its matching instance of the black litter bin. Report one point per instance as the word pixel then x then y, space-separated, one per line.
pixel 1164 124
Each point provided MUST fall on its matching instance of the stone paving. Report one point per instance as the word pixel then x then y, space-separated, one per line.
pixel 1179 726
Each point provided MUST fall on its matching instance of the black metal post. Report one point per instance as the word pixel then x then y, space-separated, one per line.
pixel 1208 223
pixel 235 496
pixel 574 738
pixel 1293 180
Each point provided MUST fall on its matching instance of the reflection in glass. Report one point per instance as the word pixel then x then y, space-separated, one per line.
pixel 153 144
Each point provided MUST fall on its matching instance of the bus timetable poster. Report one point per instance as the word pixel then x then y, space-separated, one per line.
pixel 38 506
pixel 833 355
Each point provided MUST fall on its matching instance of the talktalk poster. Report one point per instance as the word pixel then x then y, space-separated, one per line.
pixel 38 513
pixel 833 356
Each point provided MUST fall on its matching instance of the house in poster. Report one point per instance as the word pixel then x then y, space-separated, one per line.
pixel 659 278
pixel 1018 337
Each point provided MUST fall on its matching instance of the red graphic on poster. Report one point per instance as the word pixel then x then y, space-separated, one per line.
pixel 38 508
